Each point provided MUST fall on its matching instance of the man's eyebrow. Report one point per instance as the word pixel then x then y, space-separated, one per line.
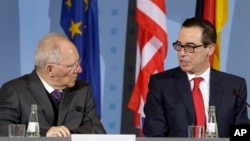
pixel 189 43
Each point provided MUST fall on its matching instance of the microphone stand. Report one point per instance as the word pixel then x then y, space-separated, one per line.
pixel 237 94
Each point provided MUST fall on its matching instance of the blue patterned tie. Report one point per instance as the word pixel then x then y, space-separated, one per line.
pixel 57 95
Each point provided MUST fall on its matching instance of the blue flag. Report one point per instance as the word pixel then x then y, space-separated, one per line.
pixel 80 23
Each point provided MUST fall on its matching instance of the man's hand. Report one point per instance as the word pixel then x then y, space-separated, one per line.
pixel 59 131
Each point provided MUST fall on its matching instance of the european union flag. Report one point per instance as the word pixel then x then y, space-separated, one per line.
pixel 80 23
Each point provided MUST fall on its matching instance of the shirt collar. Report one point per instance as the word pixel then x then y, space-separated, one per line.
pixel 205 75
pixel 49 88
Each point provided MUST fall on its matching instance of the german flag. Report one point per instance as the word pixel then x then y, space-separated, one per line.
pixel 214 11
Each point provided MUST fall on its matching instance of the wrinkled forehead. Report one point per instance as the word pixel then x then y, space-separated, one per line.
pixel 69 51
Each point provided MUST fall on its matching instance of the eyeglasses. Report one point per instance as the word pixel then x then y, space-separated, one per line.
pixel 188 48
pixel 72 67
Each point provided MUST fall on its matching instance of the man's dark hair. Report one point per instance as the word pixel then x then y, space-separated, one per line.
pixel 209 32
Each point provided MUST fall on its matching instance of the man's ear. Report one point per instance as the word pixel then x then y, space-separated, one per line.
pixel 211 49
pixel 49 70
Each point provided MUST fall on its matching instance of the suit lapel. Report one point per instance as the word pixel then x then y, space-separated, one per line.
pixel 40 94
pixel 216 89
pixel 184 90
pixel 64 105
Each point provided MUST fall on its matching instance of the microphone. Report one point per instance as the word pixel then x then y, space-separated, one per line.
pixel 237 94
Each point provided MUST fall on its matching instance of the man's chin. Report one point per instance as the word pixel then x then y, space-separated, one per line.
pixel 71 84
pixel 185 68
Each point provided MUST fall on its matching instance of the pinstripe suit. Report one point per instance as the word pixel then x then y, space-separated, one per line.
pixel 16 97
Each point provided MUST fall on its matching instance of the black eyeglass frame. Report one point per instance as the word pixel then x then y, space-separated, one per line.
pixel 187 48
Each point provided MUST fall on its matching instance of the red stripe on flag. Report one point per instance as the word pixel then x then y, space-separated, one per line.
pixel 209 14
pixel 152 47
pixel 209 11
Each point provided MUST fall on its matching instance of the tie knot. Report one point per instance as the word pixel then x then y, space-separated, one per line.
pixel 57 94
pixel 197 81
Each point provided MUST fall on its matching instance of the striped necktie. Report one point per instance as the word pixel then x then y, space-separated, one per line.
pixel 57 95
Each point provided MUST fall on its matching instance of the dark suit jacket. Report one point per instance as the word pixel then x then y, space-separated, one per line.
pixel 75 109
pixel 169 107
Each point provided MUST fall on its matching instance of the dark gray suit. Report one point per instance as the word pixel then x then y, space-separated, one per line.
pixel 169 108
pixel 16 97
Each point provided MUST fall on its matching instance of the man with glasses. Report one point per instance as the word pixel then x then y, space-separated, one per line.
pixel 170 107
pixel 65 104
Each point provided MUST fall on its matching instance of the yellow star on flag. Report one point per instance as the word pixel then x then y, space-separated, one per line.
pixel 75 28
pixel 68 3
